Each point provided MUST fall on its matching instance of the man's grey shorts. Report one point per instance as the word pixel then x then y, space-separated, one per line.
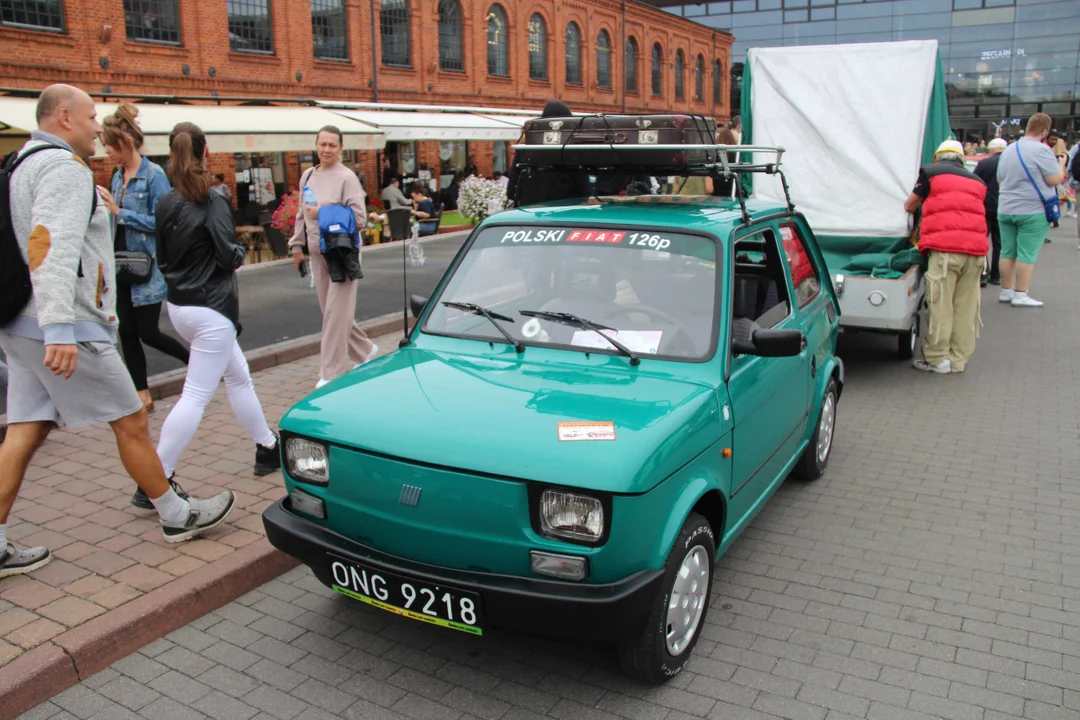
pixel 100 391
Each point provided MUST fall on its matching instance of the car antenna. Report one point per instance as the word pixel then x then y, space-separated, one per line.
pixel 406 339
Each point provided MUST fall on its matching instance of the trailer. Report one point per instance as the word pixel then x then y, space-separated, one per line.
pixel 857 121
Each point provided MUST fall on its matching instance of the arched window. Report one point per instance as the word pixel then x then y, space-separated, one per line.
pixel 537 48
pixel 573 54
pixel 699 79
pixel 451 51
pixel 603 59
pixel 394 21
pixel 631 65
pixel 498 42
pixel 680 75
pixel 657 70
pixel 717 83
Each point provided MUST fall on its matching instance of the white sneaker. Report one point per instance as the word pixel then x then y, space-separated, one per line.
pixel 1026 301
pixel 322 381
pixel 1006 295
pixel 206 514
pixel 942 368
pixel 371 355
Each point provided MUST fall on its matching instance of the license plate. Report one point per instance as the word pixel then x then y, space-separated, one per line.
pixel 415 599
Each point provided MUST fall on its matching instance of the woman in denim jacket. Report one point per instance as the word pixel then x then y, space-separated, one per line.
pixel 136 187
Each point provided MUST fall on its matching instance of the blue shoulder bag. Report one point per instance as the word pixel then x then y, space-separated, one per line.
pixel 1051 206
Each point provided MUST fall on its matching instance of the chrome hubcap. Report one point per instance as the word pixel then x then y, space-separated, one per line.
pixel 687 602
pixel 825 427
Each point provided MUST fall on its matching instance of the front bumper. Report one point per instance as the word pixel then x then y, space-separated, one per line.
pixel 548 607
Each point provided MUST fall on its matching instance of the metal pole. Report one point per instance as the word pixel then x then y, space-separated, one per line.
pixel 624 56
pixel 374 56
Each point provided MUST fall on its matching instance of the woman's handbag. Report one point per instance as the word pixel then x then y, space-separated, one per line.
pixel 1051 205
pixel 134 267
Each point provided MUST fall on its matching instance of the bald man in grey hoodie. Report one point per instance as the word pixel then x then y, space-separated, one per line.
pixel 61 349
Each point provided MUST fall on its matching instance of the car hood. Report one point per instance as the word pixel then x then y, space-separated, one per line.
pixel 501 417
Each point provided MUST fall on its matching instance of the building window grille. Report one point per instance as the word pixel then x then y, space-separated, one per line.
pixel 631 65
pixel 328 29
pixel 603 59
pixel 537 48
pixel 451 36
pixel 249 26
pixel 394 24
pixel 573 54
pixel 33 14
pixel 498 42
pixel 657 70
pixel 155 21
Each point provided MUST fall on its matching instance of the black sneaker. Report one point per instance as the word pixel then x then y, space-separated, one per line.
pixel 141 501
pixel 267 459
pixel 995 281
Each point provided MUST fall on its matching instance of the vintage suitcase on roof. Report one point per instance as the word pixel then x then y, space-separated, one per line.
pixel 630 140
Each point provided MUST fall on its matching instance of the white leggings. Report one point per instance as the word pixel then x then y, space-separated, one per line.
pixel 214 354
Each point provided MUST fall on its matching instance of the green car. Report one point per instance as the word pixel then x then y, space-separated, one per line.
pixel 596 400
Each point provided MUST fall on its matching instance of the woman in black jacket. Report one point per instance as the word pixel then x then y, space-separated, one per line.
pixel 198 253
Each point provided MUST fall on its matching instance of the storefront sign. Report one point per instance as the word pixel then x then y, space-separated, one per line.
pixel 1003 54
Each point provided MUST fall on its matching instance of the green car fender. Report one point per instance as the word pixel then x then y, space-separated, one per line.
pixel 701 485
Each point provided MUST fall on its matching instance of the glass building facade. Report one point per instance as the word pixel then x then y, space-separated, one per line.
pixel 1003 59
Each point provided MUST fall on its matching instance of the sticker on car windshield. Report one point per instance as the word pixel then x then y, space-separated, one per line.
pixel 578 431
pixel 570 237
pixel 646 342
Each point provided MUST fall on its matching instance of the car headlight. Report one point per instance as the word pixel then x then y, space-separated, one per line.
pixel 307 460
pixel 570 516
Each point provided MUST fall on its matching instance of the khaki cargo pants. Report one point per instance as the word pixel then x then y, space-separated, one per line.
pixel 952 295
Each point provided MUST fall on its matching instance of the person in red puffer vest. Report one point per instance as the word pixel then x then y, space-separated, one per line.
pixel 952 234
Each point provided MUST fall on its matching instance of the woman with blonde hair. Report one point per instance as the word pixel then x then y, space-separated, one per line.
pixel 343 344
pixel 199 256
pixel 137 185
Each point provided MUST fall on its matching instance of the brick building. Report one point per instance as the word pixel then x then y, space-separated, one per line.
pixel 513 54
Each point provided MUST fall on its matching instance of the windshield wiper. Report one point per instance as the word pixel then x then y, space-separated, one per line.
pixel 571 319
pixel 494 317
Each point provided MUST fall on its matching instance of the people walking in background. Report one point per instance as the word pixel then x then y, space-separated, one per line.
pixel 725 187
pixel 387 174
pixel 1027 174
pixel 953 237
pixel 986 171
pixel 343 344
pixel 361 177
pixel 217 184
pixel 1073 173
pixel 64 367
pixel 199 256
pixel 1061 152
pixel 736 128
pixel 136 187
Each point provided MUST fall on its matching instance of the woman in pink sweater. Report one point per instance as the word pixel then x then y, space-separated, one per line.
pixel 344 345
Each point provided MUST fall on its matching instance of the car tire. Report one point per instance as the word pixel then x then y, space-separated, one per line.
pixel 907 340
pixel 651 656
pixel 815 458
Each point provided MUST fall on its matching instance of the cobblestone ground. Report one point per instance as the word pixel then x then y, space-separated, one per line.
pixel 934 572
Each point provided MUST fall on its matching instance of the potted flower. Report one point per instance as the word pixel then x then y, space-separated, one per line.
pixel 284 218
pixel 479 198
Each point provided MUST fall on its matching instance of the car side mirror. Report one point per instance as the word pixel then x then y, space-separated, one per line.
pixel 417 304
pixel 771 343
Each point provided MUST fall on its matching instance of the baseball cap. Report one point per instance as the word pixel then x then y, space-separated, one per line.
pixel 998 143
pixel 949 146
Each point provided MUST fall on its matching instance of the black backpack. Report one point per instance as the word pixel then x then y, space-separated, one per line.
pixel 14 273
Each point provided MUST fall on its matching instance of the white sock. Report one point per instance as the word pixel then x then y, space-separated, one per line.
pixel 1019 295
pixel 171 507
pixel 3 537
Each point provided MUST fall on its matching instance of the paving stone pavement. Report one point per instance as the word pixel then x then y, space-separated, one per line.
pixel 76 501
pixel 934 572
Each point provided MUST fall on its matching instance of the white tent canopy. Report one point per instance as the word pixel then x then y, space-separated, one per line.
pixel 228 128
pixel 406 126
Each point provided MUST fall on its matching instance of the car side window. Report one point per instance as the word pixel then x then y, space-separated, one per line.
pixel 803 275
pixel 760 291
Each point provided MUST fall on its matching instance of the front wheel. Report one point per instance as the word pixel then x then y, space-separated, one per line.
pixel 662 646
pixel 907 340
pixel 816 456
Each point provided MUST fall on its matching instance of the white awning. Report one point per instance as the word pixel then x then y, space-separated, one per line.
pixel 402 126
pixel 229 128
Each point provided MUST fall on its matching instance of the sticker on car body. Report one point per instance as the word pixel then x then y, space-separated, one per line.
pixel 579 431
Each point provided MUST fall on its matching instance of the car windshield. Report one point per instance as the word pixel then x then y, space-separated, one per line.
pixel 653 291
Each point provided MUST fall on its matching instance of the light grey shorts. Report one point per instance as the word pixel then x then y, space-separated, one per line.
pixel 100 391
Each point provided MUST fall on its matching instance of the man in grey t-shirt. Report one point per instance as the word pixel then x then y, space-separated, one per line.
pixel 1021 215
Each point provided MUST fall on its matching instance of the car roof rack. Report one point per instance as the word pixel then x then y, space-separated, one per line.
pixel 711 160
